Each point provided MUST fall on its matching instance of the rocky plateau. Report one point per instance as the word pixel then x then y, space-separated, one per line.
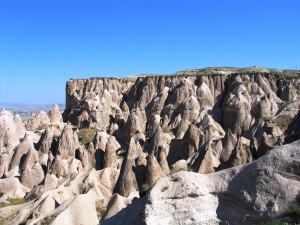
pixel 205 146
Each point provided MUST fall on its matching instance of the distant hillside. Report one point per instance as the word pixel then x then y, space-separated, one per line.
pixel 25 110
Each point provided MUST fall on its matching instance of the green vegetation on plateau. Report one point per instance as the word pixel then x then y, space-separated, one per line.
pixel 86 135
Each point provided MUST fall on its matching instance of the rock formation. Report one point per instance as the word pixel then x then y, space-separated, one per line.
pixel 55 115
pixel 225 197
pixel 37 121
pixel 119 138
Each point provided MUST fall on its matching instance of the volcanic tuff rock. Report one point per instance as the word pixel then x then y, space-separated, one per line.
pixel 120 136
pixel 55 115
pixel 36 120
pixel 247 194
pixel 12 129
pixel 228 113
pixel 40 120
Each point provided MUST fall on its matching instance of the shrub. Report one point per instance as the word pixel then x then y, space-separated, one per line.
pixel 276 222
pixel 18 201
pixel 267 118
pixel 121 153
pixel 283 121
pixel 41 127
pixel 31 197
pixel 40 153
pixel 292 214
pixel 100 210
pixel 290 217
pixel 175 177
pixel 176 170
pixel 86 135
pixel 81 188
pixel 144 188
pixel 166 130
pixel 48 219
pixel 283 105
pixel 13 201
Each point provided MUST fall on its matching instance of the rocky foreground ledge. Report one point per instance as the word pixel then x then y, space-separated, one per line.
pixel 120 142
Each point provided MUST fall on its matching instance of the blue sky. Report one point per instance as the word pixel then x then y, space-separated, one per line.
pixel 44 43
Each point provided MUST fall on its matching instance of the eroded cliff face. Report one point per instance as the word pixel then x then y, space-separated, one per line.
pixel 94 100
pixel 218 120
pixel 120 136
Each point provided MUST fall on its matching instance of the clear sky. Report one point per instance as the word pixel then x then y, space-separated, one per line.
pixel 44 43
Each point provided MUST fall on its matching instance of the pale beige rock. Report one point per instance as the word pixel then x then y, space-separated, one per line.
pixel 103 96
pixel 108 178
pixel 153 170
pixel 241 153
pixel 47 205
pixel 31 171
pixel 13 172
pixel 37 120
pixel 67 143
pixel 185 147
pixel 156 140
pixel 110 156
pixel 180 165
pixel 21 151
pixel 228 144
pixel 80 211
pixel 12 188
pixel 200 120
pixel 100 140
pixel 153 124
pixel 157 105
pixel 59 167
pixel 127 182
pixel 132 126
pixel 184 90
pixel 210 128
pixel 20 127
pixel 55 115
pixel 191 109
pixel 74 166
pixel 50 183
pixel 87 157
pixel 182 127
pixel 207 160
pixel 224 197
pixel 46 141
pixel 11 130
pixel 204 95
pixel 116 204
pixel 162 160
pixel 125 110
pixel 44 159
